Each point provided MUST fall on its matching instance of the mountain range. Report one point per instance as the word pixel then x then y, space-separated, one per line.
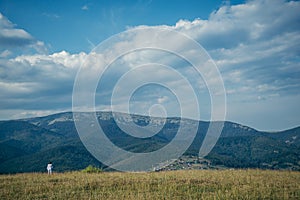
pixel 27 145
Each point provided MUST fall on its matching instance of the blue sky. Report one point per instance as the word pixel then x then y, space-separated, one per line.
pixel 255 44
pixel 86 22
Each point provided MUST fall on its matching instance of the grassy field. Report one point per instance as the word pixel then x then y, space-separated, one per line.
pixel 204 184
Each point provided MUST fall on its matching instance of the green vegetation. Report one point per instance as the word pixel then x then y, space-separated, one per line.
pixel 92 169
pixel 28 145
pixel 191 184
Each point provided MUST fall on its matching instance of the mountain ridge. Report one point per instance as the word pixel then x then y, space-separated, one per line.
pixel 28 144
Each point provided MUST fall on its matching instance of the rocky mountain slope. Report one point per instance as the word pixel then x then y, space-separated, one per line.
pixel 29 144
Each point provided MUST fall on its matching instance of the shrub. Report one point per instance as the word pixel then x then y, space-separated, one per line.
pixel 92 169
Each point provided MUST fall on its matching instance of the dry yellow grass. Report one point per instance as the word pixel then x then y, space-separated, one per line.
pixel 206 184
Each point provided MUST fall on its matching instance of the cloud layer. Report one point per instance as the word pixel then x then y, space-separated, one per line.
pixel 256 46
pixel 14 38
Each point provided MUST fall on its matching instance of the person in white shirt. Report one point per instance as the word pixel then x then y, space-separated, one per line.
pixel 49 168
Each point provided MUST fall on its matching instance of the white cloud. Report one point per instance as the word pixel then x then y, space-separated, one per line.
pixel 16 88
pixel 34 83
pixel 5 53
pixel 85 7
pixel 251 42
pixel 162 99
pixel 256 46
pixel 61 58
pixel 12 37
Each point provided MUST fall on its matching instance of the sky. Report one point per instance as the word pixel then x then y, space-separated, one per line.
pixel 254 44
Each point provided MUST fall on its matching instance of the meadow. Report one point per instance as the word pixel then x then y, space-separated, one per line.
pixel 189 184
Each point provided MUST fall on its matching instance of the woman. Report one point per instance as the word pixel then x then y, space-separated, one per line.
pixel 49 167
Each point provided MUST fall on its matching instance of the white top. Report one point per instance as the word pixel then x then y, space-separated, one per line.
pixel 49 166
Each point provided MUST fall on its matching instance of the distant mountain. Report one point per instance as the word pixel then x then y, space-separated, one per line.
pixel 27 145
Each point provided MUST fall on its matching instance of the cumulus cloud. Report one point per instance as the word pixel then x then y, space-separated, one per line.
pixel 256 46
pixel 256 43
pixel 256 20
pixel 38 82
pixel 12 37
pixel 61 58
pixel 252 43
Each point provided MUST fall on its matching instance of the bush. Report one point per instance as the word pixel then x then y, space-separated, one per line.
pixel 92 169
